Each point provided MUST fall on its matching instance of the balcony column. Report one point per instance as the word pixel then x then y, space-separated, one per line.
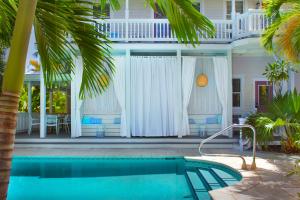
pixel 29 86
pixel 291 81
pixel 126 18
pixel 43 130
pixel 233 18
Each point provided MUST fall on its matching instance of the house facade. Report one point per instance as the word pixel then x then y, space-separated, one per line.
pixel 162 88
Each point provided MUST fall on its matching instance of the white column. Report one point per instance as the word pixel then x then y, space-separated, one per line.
pixel 233 18
pixel 229 101
pixel 73 104
pixel 43 130
pixel 178 53
pixel 128 92
pixel 127 17
pixel 29 86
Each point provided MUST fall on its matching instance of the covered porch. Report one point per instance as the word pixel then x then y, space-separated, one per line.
pixel 154 95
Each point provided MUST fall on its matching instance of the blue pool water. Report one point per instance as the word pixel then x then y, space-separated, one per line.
pixel 161 178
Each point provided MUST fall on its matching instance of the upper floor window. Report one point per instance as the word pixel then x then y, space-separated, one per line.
pixel 236 92
pixel 159 15
pixel 98 13
pixel 239 8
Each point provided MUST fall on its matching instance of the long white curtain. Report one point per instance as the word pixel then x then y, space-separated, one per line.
pixel 76 83
pixel 205 100
pixel 120 90
pixel 222 83
pixel 156 104
pixel 188 71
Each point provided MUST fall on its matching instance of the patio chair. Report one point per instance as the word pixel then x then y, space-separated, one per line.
pixel 52 121
pixel 65 123
pixel 32 122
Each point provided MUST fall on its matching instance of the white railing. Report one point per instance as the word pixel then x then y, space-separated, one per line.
pixel 154 30
pixel 251 23
pixel 22 121
pixel 244 166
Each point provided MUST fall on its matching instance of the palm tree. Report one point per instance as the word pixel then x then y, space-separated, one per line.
pixel 283 36
pixel 64 30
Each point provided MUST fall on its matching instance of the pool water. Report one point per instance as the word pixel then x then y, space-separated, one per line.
pixel 116 178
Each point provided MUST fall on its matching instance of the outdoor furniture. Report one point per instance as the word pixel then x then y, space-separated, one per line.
pixel 65 122
pixel 32 122
pixel 52 121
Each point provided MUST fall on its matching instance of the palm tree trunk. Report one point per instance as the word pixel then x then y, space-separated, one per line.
pixel 12 83
pixel 8 118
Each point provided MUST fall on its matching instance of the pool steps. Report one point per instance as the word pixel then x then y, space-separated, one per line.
pixel 201 180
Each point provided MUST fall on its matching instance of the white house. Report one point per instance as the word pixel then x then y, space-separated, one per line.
pixel 155 92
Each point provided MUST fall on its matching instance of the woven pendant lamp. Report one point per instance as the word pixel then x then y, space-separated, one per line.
pixel 202 80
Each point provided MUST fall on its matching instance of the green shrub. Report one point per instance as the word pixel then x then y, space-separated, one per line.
pixel 283 114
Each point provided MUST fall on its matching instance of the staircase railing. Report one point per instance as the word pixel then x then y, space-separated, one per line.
pixel 253 165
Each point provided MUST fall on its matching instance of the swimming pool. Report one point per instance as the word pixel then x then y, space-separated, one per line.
pixel 116 178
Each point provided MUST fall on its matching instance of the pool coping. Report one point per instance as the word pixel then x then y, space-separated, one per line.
pixel 263 183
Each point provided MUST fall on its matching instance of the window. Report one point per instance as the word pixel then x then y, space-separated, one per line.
pixel 236 92
pixel 263 94
pixel 159 15
pixel 239 8
pixel 99 14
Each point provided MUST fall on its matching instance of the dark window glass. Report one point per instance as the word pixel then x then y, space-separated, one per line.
pixel 239 8
pixel 236 92
pixel 99 14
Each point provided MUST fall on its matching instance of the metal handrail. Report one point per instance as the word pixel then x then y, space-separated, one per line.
pixel 253 166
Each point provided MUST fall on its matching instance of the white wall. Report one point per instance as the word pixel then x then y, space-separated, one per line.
pixel 248 68
pixel 137 10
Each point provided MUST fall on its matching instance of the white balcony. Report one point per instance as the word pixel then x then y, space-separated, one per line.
pixel 251 23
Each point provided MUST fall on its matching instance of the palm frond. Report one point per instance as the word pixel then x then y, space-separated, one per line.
pixel 186 22
pixel 65 30
pixel 283 36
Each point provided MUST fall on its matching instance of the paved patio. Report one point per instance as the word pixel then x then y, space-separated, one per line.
pixel 269 181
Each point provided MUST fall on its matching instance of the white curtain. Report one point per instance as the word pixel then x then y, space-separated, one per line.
pixel 156 105
pixel 222 83
pixel 205 100
pixel 188 71
pixel 103 104
pixel 76 83
pixel 120 91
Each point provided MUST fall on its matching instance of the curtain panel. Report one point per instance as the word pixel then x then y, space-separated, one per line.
pixel 222 83
pixel 156 103
pixel 120 91
pixel 188 71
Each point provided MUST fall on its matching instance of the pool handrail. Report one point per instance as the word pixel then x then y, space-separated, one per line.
pixel 253 165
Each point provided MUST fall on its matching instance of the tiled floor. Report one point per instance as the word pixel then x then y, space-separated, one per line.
pixel 269 181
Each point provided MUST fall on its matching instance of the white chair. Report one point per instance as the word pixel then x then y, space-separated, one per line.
pixel 65 123
pixel 52 121
pixel 32 122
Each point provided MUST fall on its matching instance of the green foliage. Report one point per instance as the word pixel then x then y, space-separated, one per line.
pixel 262 137
pixel 283 36
pixel 35 101
pixel 59 99
pixel 283 114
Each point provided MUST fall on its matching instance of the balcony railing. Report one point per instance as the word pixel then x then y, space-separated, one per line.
pixel 251 23
pixel 248 24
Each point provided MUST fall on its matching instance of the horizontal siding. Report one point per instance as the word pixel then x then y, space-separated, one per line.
pixel 213 9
